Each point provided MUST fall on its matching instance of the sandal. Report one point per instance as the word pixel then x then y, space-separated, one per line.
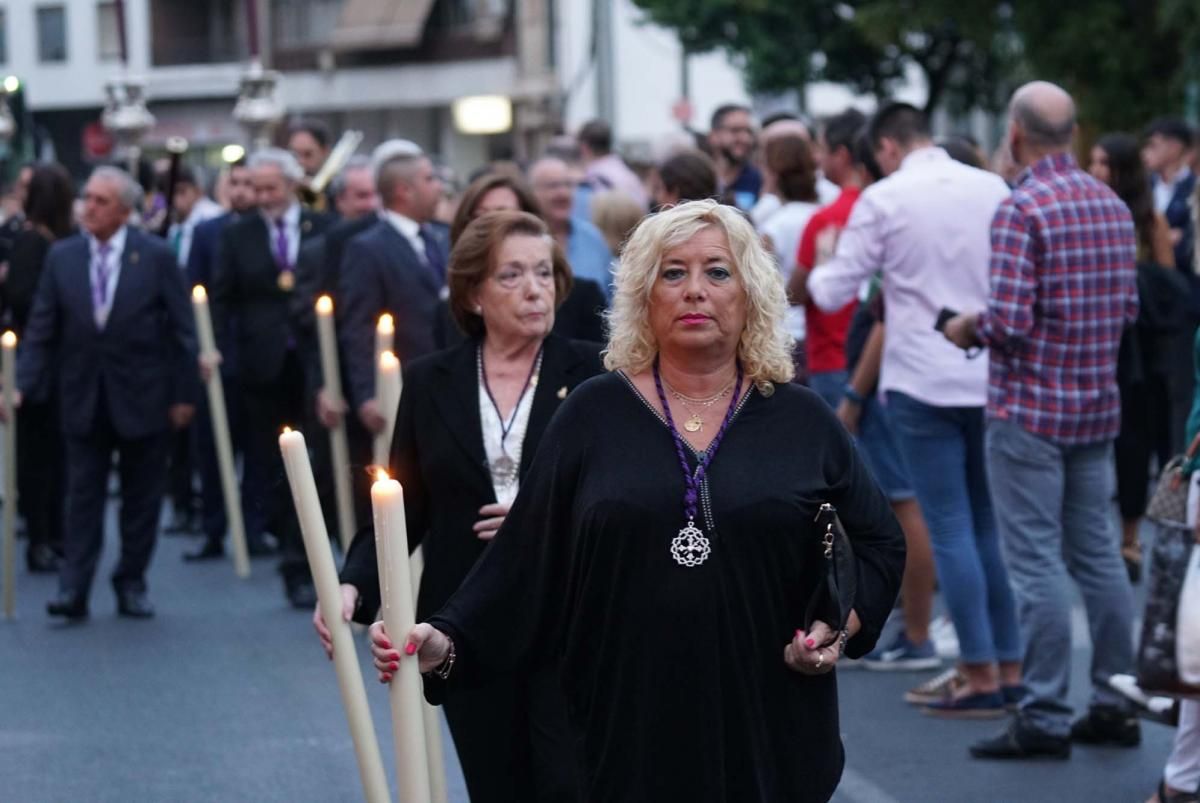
pixel 1132 555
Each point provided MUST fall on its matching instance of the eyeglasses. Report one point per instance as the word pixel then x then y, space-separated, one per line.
pixel 564 184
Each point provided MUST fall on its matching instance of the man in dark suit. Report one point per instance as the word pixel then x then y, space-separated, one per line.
pixel 112 329
pixel 201 264
pixel 253 294
pixel 397 266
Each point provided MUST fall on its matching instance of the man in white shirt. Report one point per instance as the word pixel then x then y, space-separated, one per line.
pixel 926 227
pixel 191 208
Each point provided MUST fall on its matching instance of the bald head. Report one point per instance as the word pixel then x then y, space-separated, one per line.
pixel 1045 115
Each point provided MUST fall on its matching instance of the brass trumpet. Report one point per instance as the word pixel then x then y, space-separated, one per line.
pixel 312 194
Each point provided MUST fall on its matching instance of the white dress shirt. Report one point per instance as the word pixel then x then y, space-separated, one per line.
pixel 116 250
pixel 204 209
pixel 409 229
pixel 927 227
pixel 784 228
pixel 1164 191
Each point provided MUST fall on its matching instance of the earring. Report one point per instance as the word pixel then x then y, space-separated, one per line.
pixel 478 310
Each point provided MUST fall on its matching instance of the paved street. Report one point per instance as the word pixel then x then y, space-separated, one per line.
pixel 226 697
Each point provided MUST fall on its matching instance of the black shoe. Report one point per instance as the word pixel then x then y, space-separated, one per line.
pixel 1021 741
pixel 212 549
pixel 1107 725
pixel 67 604
pixel 134 604
pixel 301 593
pixel 41 559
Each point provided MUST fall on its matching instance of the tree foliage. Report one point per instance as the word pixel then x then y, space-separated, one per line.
pixel 1124 60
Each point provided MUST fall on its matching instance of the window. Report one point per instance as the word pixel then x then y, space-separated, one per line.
pixel 3 37
pixel 52 33
pixel 108 35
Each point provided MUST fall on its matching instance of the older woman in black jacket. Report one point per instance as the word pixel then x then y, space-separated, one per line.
pixel 469 423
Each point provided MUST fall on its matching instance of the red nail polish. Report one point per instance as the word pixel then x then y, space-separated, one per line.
pixel 387 645
pixel 395 666
pixel 410 648
pixel 810 643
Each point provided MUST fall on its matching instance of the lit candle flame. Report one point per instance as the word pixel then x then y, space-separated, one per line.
pixel 386 325
pixel 381 474
pixel 286 430
pixel 324 305
pixel 199 293
pixel 9 339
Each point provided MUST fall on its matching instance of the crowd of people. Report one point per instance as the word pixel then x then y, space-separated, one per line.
pixel 992 357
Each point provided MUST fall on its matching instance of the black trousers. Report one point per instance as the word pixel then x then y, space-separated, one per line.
pixel 41 473
pixel 270 408
pixel 1145 433
pixel 142 464
pixel 513 740
pixel 181 475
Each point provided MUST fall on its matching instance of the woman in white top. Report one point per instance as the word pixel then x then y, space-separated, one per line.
pixel 791 174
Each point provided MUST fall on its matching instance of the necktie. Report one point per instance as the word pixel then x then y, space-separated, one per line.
pixel 433 253
pixel 282 260
pixel 100 285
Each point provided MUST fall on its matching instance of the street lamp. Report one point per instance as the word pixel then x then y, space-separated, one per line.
pixel 483 114
pixel 258 108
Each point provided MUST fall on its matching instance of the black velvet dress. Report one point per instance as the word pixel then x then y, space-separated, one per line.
pixel 674 676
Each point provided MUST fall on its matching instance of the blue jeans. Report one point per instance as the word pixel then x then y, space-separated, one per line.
pixel 829 385
pixel 944 450
pixel 1055 514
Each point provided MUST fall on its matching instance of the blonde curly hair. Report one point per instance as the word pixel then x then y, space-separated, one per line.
pixel 765 348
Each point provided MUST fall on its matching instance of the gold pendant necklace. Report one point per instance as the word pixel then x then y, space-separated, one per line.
pixel 694 424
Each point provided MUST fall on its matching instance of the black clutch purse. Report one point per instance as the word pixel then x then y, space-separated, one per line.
pixel 833 598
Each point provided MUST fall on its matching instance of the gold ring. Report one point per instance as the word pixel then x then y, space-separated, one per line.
pixel 820 659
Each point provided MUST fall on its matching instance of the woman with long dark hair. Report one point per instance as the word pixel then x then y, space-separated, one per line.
pixel 1144 366
pixel 40 466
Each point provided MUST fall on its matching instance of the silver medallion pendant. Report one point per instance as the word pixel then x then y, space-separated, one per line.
pixel 690 548
pixel 504 469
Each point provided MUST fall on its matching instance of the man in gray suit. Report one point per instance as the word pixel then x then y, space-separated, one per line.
pixel 112 329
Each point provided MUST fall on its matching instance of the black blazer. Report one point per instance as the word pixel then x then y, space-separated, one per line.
pixel 382 273
pixel 250 310
pixel 438 456
pixel 144 359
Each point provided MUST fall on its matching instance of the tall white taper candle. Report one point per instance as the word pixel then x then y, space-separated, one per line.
pixel 338 446
pixel 329 597
pixel 433 722
pixel 8 374
pixel 220 429
pixel 387 391
pixel 404 692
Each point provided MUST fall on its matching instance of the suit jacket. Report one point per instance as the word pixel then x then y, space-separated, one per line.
pixel 579 317
pixel 206 239
pixel 250 310
pixel 1179 216
pixel 439 458
pixel 380 273
pixel 143 361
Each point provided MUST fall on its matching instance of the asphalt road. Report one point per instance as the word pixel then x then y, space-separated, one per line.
pixel 225 696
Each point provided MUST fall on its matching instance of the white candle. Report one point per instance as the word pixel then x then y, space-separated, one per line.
pixel 329 597
pixel 8 374
pixel 220 429
pixel 433 722
pixel 396 593
pixel 387 392
pixel 338 446
pixel 385 335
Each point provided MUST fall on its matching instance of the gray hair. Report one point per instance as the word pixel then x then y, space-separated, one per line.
pixel 360 162
pixel 284 160
pixel 389 149
pixel 129 192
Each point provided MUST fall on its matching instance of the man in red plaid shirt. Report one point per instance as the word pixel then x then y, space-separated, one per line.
pixel 1063 288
